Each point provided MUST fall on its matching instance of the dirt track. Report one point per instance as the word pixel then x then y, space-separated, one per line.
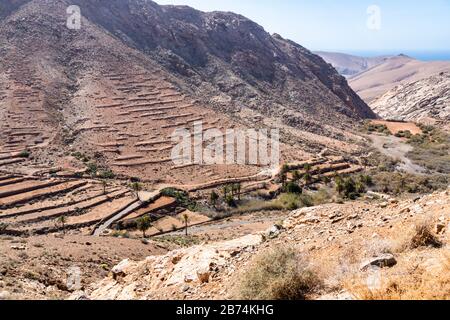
pixel 396 148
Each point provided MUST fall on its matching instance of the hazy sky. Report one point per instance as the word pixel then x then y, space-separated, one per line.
pixel 342 25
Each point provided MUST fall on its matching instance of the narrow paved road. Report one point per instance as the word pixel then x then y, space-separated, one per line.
pixel 144 198
pixel 105 225
pixel 148 197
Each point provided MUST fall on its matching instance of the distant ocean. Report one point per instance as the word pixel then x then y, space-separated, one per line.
pixel 419 55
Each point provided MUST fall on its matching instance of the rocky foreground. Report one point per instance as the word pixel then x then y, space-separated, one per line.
pixel 371 249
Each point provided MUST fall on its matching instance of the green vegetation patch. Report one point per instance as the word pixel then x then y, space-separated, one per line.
pixel 182 198
pixel 431 149
pixel 370 127
pixel 181 241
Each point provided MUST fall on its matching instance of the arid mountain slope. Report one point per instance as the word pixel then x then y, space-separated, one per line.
pixel 228 58
pixel 83 91
pixel 401 69
pixel 8 6
pixel 350 65
pixel 428 98
pixel 118 87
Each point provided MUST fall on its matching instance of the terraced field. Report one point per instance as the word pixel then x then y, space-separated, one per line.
pixel 24 122
pixel 130 117
pixel 119 120
pixel 30 205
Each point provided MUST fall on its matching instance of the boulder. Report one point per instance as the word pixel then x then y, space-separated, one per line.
pixel 273 231
pixel 440 228
pixel 310 220
pixel 383 261
pixel 119 271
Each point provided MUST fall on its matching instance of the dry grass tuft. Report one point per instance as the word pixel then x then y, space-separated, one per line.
pixel 424 237
pixel 421 235
pixel 279 274
pixel 417 284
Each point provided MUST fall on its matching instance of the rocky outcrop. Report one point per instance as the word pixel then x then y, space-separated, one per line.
pixel 176 271
pixel 209 271
pixel 385 260
pixel 417 101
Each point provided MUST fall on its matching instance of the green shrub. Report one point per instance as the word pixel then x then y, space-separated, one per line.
pixel 397 183
pixel 182 241
pixel 80 156
pixel 229 200
pixel 24 154
pixel 92 169
pixel 404 134
pixel 182 198
pixel 293 201
pixel 366 180
pixel 379 128
pixel 292 187
pixel 106 174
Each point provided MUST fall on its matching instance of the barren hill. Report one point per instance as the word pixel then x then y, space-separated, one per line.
pixel 350 65
pixel 419 100
pixel 401 69
pixel 227 57
pixel 135 71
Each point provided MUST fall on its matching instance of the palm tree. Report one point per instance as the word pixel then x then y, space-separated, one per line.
pixel 307 177
pixel 144 223
pixel 233 189
pixel 104 185
pixel 213 198
pixel 62 222
pixel 283 178
pixel 186 222
pixel 226 189
pixel 307 167
pixel 339 184
pixel 136 187
pixel 238 190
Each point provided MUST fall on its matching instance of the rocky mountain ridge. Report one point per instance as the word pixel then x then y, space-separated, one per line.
pixel 423 100
pixel 223 58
